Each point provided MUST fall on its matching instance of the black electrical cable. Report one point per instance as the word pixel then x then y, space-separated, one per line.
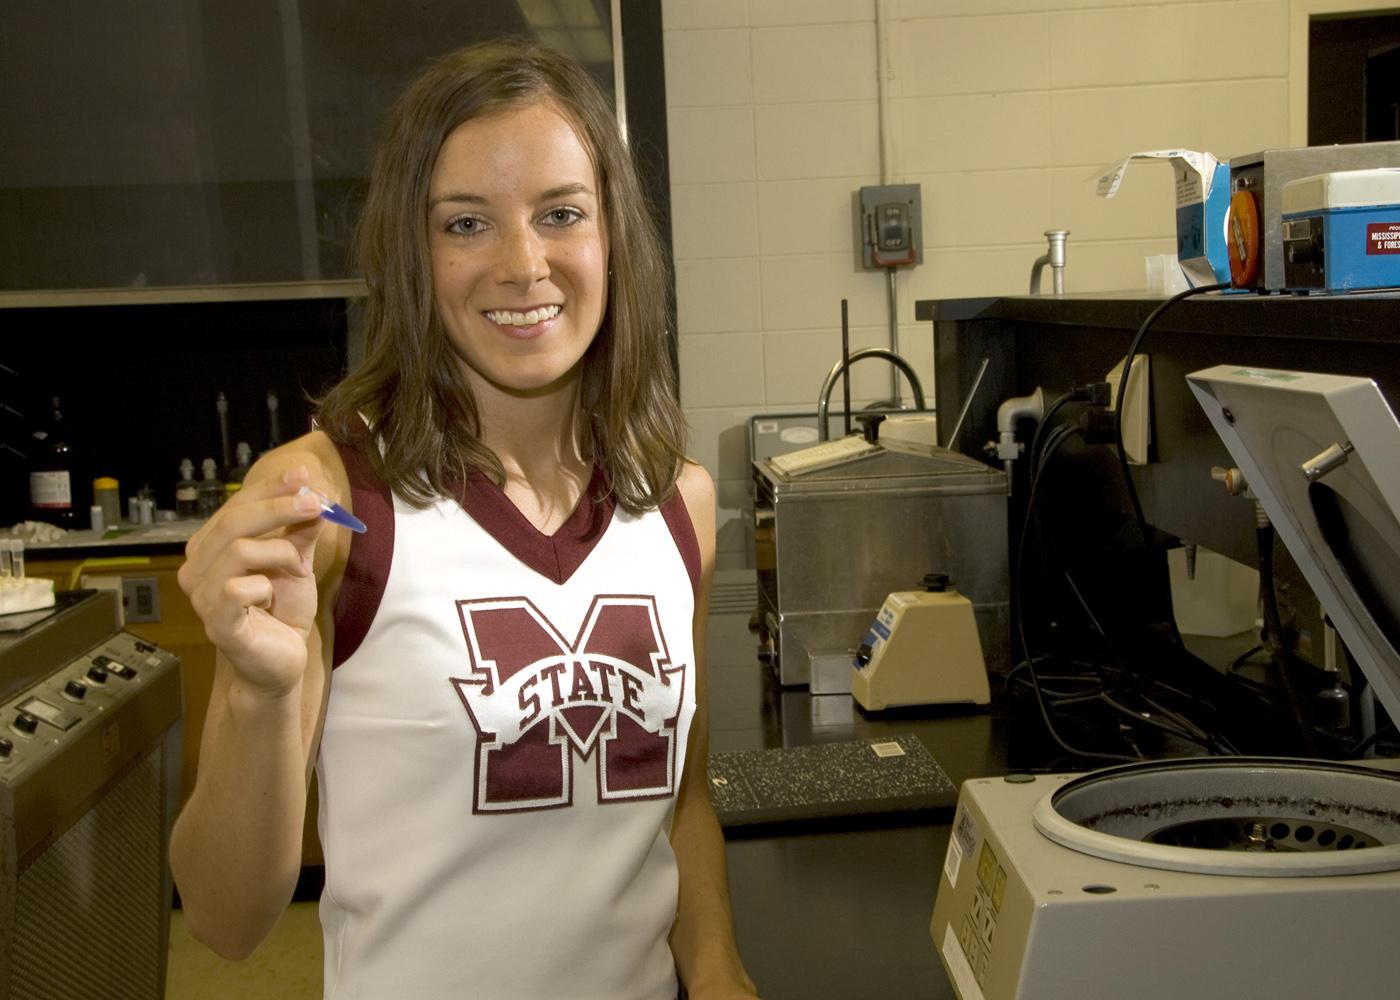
pixel 1147 720
pixel 1056 438
pixel 1243 658
pixel 1034 453
pixel 1093 618
pixel 1366 744
pixel 1184 728
pixel 1090 682
pixel 1120 402
pixel 1095 684
pixel 1275 640
pixel 1213 740
pixel 1123 391
pixel 1033 456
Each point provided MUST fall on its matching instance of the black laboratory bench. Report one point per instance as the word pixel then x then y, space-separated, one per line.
pixel 840 907
pixel 837 907
pixel 1060 342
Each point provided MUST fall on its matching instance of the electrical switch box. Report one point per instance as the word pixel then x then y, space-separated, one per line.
pixel 889 226
pixel 1136 407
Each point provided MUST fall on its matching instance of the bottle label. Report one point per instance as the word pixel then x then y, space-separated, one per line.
pixel 51 490
pixel 190 493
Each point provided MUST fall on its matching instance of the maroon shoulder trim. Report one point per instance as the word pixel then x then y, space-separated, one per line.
pixel 555 556
pixel 677 517
pixel 367 569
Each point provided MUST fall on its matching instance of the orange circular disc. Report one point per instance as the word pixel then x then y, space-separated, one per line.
pixel 1244 242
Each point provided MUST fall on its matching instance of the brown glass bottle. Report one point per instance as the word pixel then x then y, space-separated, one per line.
pixel 52 473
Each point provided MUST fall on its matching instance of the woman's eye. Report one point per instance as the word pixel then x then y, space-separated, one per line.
pixel 464 225
pixel 563 216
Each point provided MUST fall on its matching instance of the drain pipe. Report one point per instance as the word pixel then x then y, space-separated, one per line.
pixel 1007 448
pixel 883 76
pixel 1055 257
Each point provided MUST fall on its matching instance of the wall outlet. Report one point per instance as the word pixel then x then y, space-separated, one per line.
pixel 1137 411
pixel 141 598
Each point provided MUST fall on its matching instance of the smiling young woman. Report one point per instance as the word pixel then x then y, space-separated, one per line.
pixel 500 685
pixel 424 408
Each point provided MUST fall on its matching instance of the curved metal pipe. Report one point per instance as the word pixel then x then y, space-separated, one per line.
pixel 824 400
pixel 1055 257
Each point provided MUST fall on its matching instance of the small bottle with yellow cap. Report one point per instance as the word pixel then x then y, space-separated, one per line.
pixel 106 494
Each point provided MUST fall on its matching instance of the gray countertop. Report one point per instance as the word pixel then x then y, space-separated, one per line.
pixel 151 539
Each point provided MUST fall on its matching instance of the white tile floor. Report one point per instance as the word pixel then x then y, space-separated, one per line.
pixel 287 966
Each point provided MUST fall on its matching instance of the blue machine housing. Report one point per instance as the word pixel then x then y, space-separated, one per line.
pixel 1334 242
pixel 1200 230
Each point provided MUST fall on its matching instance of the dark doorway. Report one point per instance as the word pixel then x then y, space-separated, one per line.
pixel 1383 94
pixel 1353 78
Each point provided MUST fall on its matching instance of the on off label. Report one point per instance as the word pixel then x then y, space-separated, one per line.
pixel 1383 237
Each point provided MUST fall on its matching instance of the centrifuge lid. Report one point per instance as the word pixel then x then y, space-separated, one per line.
pixel 1322 454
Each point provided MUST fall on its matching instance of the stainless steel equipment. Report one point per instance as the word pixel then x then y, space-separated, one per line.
pixel 1257 180
pixel 832 544
pixel 89 779
pixel 1224 877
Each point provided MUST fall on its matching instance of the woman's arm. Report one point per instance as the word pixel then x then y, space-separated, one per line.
pixel 702 939
pixel 262 575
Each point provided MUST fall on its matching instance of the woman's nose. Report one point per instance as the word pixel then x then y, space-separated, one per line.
pixel 521 258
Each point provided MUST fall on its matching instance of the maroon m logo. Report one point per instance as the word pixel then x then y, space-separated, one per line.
pixel 539 701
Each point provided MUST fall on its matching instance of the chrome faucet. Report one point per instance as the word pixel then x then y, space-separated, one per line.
pixel 824 400
pixel 1055 257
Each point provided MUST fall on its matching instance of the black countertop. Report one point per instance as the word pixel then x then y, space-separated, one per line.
pixel 837 909
pixel 1368 316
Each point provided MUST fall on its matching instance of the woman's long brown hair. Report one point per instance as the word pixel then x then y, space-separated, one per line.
pixel 410 387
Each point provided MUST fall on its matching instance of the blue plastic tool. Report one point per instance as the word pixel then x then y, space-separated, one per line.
pixel 334 512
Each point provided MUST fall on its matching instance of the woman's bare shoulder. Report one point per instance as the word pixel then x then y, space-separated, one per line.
pixel 697 489
pixel 695 485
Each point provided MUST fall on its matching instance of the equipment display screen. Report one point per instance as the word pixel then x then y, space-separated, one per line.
pixel 51 714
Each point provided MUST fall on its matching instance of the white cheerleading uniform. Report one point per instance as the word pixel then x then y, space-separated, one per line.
pixel 504 739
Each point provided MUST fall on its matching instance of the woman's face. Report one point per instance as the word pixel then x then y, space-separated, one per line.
pixel 519 253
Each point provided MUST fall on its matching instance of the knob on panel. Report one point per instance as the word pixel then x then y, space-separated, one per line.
pixel 26 723
pixel 1245 243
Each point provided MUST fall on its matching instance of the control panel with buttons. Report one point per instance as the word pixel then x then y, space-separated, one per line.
pixel 80 695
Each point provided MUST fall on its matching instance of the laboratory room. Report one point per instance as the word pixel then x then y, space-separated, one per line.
pixel 916 485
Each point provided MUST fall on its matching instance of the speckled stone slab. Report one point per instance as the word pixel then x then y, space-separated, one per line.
pixel 860 777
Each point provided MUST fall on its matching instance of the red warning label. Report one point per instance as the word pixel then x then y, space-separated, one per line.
pixel 1383 237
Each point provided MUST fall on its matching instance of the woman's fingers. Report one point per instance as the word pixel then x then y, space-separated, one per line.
pixel 251 518
pixel 249 575
pixel 240 580
pixel 229 617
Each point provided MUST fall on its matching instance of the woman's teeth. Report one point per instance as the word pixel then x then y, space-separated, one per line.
pixel 505 317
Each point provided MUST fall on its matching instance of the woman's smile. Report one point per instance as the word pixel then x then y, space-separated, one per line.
pixel 524 323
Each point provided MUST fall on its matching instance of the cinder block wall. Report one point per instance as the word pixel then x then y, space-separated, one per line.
pixel 1002 110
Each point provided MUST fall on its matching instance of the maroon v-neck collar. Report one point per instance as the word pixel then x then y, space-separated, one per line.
pixel 555 556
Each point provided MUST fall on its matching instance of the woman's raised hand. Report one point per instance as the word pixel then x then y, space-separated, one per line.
pixel 248 574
